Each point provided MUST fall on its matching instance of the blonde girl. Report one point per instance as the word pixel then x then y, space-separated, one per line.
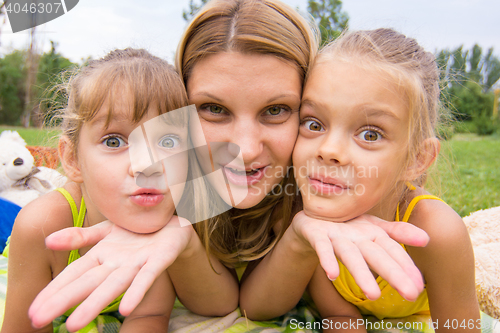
pixel 108 100
pixel 366 139
pixel 243 63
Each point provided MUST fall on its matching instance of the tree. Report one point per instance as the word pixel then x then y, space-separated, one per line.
pixel 12 87
pixel 51 65
pixel 329 17
pixel 46 97
pixel 469 76
pixel 194 7
pixel 2 13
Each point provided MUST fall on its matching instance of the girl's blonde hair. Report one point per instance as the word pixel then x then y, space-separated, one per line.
pixel 148 79
pixel 408 65
pixel 250 27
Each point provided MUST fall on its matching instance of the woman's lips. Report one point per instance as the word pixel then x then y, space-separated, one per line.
pixel 147 197
pixel 327 186
pixel 243 177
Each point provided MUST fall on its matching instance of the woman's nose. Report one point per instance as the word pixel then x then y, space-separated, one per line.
pixel 248 137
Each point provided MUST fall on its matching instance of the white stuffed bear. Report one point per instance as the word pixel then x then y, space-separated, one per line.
pixel 20 181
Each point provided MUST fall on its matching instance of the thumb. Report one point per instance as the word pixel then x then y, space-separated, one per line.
pixel 76 238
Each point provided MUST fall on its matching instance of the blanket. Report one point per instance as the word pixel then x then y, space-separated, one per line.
pixel 302 319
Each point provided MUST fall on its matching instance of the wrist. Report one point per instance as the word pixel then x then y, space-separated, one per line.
pixel 295 239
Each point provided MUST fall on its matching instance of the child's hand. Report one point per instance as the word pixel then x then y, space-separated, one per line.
pixel 120 260
pixel 365 240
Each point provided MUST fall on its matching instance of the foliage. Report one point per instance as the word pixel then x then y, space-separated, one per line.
pixel 50 67
pixel 469 77
pixel 329 17
pixel 194 7
pixel 13 76
pixel 12 87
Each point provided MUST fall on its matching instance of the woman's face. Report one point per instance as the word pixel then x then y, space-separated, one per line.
pixel 253 101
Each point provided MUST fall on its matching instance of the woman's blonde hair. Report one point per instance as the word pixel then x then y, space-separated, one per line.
pixel 251 27
pixel 405 63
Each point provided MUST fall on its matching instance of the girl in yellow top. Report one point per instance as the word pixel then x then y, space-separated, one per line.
pixel 104 152
pixel 367 137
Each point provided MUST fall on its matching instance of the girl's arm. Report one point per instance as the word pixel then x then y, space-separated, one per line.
pixel 153 313
pixel 277 283
pixel 122 260
pixel 337 314
pixel 204 289
pixel 31 264
pixel 447 264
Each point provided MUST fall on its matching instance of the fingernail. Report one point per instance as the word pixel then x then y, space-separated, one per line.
pixel 329 278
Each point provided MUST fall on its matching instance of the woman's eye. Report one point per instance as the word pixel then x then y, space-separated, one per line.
pixel 274 110
pixel 114 142
pixel 370 136
pixel 169 142
pixel 215 109
pixel 313 125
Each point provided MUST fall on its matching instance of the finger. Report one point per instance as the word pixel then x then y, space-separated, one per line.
pixel 389 270
pixel 402 232
pixel 67 276
pixel 76 238
pixel 401 257
pixel 143 280
pixel 69 296
pixel 326 256
pixel 353 259
pixel 113 286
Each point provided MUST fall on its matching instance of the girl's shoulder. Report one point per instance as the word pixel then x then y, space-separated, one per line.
pixel 49 213
pixel 431 214
pixel 446 229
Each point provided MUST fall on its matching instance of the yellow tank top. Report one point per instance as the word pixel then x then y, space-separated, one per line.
pixel 390 304
pixel 78 217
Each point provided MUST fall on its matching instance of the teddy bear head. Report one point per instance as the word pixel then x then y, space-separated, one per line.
pixel 16 161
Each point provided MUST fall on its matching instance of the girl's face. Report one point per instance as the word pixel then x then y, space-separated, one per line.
pixel 109 179
pixel 352 142
pixel 250 100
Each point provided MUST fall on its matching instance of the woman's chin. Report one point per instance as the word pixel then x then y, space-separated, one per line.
pixel 251 200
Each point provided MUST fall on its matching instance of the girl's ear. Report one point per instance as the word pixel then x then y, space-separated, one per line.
pixel 428 152
pixel 68 160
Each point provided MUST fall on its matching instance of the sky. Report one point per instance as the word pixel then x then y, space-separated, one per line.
pixel 94 27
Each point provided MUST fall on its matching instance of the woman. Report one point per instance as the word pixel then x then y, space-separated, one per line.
pixel 243 63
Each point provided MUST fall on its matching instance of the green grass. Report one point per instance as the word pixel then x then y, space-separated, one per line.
pixel 35 136
pixel 467 175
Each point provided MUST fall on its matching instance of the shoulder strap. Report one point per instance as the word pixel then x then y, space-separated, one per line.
pixel 71 202
pixel 78 217
pixel 412 204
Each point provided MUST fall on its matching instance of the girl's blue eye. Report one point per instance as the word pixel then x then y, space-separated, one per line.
pixel 114 142
pixel 313 125
pixel 169 142
pixel 370 136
